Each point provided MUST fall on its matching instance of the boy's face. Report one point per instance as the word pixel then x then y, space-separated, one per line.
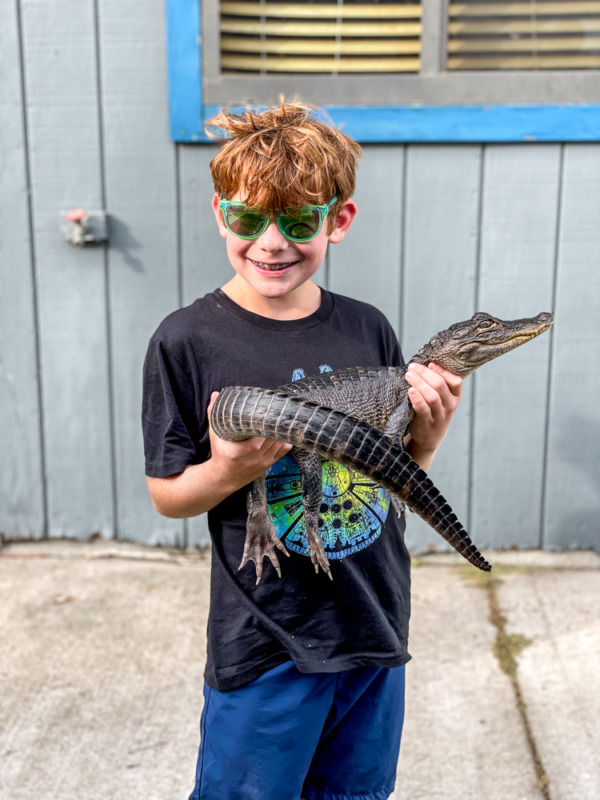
pixel 274 266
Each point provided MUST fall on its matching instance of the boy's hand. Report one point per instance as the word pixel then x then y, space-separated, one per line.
pixel 435 394
pixel 239 463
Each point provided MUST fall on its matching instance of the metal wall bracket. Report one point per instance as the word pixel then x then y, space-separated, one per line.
pixel 80 227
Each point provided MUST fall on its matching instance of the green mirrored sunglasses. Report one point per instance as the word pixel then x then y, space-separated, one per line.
pixel 299 224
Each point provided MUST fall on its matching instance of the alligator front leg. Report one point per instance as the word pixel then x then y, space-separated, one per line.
pixel 261 538
pixel 398 505
pixel 311 478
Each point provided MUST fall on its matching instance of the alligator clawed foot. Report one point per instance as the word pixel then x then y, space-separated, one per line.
pixel 261 540
pixel 398 505
pixel 317 553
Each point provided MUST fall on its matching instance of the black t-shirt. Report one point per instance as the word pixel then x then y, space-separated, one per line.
pixel 361 617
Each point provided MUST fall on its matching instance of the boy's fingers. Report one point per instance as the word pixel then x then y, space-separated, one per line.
pixel 453 381
pixel 420 404
pixel 431 387
pixel 446 385
pixel 428 376
pixel 275 448
pixel 213 399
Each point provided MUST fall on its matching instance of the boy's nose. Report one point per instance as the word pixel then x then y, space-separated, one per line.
pixel 272 239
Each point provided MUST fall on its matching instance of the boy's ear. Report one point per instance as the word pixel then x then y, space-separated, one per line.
pixel 218 216
pixel 343 221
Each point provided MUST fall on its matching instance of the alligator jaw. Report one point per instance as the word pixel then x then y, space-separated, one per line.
pixel 527 329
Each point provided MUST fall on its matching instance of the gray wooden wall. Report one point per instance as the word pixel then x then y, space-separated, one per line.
pixel 442 231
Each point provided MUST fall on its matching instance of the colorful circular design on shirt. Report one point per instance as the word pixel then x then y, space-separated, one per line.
pixel 353 507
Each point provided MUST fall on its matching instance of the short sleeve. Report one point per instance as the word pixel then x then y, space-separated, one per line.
pixel 393 352
pixel 169 420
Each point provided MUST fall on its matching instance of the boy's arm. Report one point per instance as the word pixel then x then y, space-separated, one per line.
pixel 435 394
pixel 201 487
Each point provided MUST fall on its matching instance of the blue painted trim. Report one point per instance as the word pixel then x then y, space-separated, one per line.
pixel 505 123
pixel 497 123
pixel 184 55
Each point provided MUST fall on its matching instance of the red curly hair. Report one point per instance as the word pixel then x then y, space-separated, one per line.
pixel 283 156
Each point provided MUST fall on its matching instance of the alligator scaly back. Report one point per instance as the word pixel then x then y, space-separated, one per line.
pixel 244 411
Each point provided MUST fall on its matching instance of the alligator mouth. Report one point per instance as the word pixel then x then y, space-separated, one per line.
pixel 520 337
pixel 525 336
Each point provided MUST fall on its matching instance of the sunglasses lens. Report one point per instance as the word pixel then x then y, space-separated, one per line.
pixel 300 224
pixel 244 221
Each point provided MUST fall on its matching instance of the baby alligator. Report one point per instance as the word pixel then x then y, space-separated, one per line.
pixel 358 417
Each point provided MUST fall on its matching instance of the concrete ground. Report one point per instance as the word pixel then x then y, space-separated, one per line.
pixel 102 657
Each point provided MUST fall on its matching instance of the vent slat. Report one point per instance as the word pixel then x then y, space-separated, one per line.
pixel 556 44
pixel 508 9
pixel 354 29
pixel 520 62
pixel 327 65
pixel 318 46
pixel 531 26
pixel 323 10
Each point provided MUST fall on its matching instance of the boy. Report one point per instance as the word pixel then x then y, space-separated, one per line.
pixel 304 681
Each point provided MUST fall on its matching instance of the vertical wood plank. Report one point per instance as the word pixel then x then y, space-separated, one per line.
pixel 21 490
pixel 140 163
pixel 61 86
pixel 203 255
pixel 440 262
pixel 366 264
pixel 572 505
pixel 205 265
pixel 521 189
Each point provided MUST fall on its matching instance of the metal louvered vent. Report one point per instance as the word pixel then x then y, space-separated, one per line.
pixel 535 35
pixel 347 36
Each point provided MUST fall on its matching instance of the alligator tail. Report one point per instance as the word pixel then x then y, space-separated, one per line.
pixel 244 411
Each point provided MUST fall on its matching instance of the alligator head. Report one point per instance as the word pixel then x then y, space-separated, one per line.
pixel 465 346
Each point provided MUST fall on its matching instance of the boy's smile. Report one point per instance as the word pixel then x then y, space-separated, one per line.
pixel 273 266
pixel 272 272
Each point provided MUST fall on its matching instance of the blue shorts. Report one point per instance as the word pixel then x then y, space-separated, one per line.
pixel 287 735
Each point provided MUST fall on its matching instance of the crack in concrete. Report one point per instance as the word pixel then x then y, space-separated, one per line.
pixel 506 649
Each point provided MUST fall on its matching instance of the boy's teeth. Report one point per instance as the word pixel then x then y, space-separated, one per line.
pixel 273 266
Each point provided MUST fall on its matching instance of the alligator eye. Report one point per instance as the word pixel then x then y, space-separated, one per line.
pixel 486 323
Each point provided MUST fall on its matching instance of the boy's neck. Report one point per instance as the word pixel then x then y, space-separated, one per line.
pixel 302 302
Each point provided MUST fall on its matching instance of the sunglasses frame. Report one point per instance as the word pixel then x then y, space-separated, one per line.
pixel 224 205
